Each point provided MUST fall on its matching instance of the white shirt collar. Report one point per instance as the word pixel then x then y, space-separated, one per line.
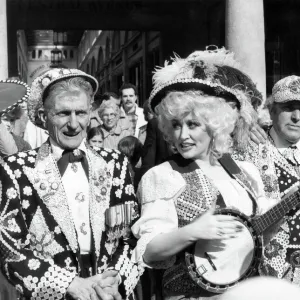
pixel 57 150
pixel 134 112
pixel 279 143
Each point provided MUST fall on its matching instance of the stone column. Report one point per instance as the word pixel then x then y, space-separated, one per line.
pixel 245 36
pixel 3 41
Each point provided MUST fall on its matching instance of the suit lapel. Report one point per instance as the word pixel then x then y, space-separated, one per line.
pixel 46 180
pixel 100 181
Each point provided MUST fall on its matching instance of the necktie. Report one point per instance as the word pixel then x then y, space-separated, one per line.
pixel 292 154
pixel 72 156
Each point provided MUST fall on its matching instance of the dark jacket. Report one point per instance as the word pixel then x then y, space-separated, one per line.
pixel 156 150
pixel 22 145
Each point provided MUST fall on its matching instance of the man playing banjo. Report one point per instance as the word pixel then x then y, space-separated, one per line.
pixel 278 160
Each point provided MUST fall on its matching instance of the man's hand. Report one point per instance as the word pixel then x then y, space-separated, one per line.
pixel 111 292
pixel 108 283
pixel 258 135
pixel 83 289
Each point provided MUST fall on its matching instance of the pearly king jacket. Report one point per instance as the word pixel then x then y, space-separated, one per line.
pixel 282 253
pixel 39 250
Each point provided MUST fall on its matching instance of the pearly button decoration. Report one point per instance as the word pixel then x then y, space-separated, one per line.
pixel 82 230
pixel 80 197
pixel 74 167
pixel 43 186
pixel 54 186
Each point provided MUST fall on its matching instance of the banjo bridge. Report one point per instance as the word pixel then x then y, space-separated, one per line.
pixel 202 270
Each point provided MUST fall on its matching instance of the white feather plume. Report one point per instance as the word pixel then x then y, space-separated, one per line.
pixel 184 67
pixel 179 68
pixel 218 57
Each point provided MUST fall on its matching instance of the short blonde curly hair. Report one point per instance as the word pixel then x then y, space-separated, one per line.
pixel 218 116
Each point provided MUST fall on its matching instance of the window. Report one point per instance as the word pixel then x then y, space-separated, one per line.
pixel 107 49
pixel 93 66
pixel 100 59
pixel 116 43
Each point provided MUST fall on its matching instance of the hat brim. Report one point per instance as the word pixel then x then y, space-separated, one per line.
pixel 88 78
pixel 207 88
pixel 40 88
pixel 13 92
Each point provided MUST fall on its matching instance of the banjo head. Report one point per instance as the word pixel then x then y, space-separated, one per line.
pixel 217 265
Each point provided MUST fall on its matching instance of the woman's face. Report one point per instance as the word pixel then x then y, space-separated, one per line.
pixel 96 141
pixel 190 137
pixel 109 118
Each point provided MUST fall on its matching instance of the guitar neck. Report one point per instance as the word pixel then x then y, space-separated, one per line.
pixel 276 213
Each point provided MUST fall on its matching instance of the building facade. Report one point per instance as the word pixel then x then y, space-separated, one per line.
pixel 115 57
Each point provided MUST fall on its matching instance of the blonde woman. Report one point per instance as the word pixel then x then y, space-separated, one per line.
pixel 202 119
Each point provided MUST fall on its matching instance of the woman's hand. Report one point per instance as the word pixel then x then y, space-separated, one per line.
pixel 209 227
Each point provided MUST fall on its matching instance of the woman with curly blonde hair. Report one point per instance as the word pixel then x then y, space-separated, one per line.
pixel 216 116
pixel 203 117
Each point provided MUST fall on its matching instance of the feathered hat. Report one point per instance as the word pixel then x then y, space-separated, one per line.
pixel 40 87
pixel 214 72
pixel 15 92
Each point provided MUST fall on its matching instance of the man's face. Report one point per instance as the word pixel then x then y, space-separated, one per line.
pixel 66 116
pixel 286 120
pixel 128 99
pixel 7 122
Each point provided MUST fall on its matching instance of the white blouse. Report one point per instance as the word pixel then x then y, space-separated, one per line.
pixel 158 192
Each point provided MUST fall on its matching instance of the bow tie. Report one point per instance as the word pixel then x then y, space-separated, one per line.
pixel 72 156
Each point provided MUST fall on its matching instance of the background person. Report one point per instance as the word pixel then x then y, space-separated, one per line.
pixel 16 92
pixel 95 118
pixel 132 148
pixel 7 143
pixel 111 96
pixel 134 113
pixel 9 119
pixel 95 137
pixel 112 129
pixel 148 115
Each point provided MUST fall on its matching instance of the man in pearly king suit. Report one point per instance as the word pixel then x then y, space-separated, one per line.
pixel 65 208
pixel 278 160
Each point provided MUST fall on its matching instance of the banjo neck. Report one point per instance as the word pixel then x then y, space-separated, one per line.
pixel 277 212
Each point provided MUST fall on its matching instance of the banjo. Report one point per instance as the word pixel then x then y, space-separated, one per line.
pixel 217 265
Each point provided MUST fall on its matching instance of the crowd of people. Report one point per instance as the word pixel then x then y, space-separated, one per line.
pixel 100 198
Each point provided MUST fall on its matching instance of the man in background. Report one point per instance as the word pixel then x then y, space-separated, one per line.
pixel 134 114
